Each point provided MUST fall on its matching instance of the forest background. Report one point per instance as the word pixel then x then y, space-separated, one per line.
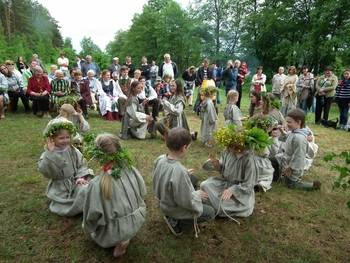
pixel 271 33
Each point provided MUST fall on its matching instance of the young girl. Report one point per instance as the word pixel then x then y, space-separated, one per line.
pixel 255 103
pixel 138 120
pixel 289 91
pixel 232 193
pixel 66 168
pixel 232 113
pixel 114 209
pixel 208 115
pixel 76 117
pixel 174 109
pixel 293 160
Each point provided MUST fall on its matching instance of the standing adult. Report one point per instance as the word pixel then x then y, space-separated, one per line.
pixel 277 82
pixel 130 66
pixel 115 66
pixel 305 87
pixel 39 92
pixel 78 64
pixel 342 97
pixel 229 76
pixel 289 91
pixel 153 72
pixel 146 69
pixel 258 81
pixel 243 71
pixel 168 67
pixel 90 65
pixel 325 91
pixel 189 76
pixel 63 64
pixel 204 72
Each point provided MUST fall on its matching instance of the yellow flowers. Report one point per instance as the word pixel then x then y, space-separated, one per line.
pixel 238 140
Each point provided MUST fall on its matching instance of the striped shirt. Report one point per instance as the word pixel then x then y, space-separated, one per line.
pixel 59 85
pixel 343 89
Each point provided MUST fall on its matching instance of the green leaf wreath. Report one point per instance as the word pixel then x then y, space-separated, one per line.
pixel 112 163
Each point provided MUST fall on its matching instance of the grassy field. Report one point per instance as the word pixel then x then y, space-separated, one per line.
pixel 286 226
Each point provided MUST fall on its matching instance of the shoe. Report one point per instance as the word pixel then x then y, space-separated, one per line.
pixel 316 185
pixel 173 225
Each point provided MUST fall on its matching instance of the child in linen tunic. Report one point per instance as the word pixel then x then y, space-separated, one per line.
pixel 293 160
pixel 68 173
pixel 175 194
pixel 232 113
pixel 138 120
pixel 116 219
pixel 239 175
pixel 209 118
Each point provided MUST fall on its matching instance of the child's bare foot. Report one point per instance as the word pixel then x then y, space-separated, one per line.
pixel 120 249
pixel 2 116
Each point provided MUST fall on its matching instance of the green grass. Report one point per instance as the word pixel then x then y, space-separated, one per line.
pixel 287 225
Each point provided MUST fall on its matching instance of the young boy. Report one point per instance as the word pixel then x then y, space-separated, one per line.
pixel 292 160
pixel 172 185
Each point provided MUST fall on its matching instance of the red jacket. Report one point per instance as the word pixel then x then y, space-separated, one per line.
pixel 38 85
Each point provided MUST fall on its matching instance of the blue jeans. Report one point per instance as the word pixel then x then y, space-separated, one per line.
pixel 343 105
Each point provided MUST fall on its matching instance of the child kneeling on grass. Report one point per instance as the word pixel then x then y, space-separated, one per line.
pixel 114 209
pixel 292 160
pixel 66 168
pixel 175 194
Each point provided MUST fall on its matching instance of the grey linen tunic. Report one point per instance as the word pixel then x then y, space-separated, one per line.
pixel 239 173
pixel 209 118
pixel 63 168
pixel 138 121
pixel 232 115
pixel 109 222
pixel 174 192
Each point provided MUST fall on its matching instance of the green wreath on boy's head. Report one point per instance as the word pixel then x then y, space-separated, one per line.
pixel 239 139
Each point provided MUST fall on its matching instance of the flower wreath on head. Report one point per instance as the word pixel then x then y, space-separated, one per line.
pixel 59 124
pixel 112 163
pixel 240 139
pixel 263 122
pixel 208 91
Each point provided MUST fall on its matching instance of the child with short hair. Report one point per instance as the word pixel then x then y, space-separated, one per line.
pixel 66 168
pixel 175 194
pixel 292 160
pixel 165 92
pixel 208 115
pixel 114 210
pixel 232 113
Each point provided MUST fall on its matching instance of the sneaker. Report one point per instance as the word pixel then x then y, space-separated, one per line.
pixel 173 225
pixel 316 185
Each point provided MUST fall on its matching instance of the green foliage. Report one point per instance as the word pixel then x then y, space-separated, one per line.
pixel 240 139
pixel 88 47
pixel 343 179
pixel 314 33
pixel 162 27
pixel 26 27
pixel 113 163
pixel 263 122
